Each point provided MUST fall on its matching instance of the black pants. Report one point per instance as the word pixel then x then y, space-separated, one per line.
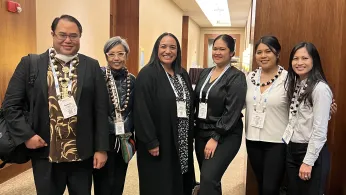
pixel 316 184
pixel 52 178
pixel 268 163
pixel 110 179
pixel 213 169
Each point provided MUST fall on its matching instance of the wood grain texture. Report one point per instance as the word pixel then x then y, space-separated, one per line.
pixel 126 17
pixel 185 41
pixel 11 170
pixel 213 36
pixel 323 24
pixel 17 38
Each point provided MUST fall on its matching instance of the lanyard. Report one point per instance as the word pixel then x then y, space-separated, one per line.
pixel 56 81
pixel 207 80
pixel 257 88
pixel 175 91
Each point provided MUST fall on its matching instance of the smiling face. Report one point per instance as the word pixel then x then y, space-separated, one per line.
pixel 302 63
pixel 221 53
pixel 265 57
pixel 116 57
pixel 66 38
pixel 167 50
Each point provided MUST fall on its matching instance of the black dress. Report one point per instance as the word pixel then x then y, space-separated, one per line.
pixel 223 123
pixel 156 124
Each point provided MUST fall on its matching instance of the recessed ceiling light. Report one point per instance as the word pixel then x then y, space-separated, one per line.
pixel 216 11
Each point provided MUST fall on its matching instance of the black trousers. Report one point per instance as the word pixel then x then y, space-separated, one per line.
pixel 213 169
pixel 268 163
pixel 316 184
pixel 110 179
pixel 52 178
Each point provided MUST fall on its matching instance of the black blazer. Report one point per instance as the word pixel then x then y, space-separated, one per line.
pixel 91 100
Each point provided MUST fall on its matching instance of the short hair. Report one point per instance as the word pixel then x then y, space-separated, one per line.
pixel 154 59
pixel 114 41
pixel 68 18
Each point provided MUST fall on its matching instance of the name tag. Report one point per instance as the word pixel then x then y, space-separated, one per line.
pixel 202 111
pixel 257 119
pixel 181 109
pixel 68 107
pixel 287 134
pixel 119 128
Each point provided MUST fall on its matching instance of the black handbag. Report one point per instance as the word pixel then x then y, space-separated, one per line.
pixel 9 151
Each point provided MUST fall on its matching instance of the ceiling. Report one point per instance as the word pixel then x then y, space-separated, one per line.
pixel 239 11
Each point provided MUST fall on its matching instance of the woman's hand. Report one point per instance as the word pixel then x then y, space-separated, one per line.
pixel 305 172
pixel 155 151
pixel 210 148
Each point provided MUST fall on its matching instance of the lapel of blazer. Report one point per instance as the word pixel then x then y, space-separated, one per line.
pixel 80 76
pixel 42 67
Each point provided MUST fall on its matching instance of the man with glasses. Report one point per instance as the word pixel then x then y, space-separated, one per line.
pixel 67 135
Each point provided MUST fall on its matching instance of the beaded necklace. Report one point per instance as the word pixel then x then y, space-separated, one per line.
pixel 113 89
pixel 64 80
pixel 268 82
pixel 296 99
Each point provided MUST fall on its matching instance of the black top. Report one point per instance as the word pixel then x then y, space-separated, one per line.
pixel 225 102
pixel 91 100
pixel 121 83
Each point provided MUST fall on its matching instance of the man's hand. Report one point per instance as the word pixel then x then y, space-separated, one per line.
pixel 35 142
pixel 100 159
pixel 155 151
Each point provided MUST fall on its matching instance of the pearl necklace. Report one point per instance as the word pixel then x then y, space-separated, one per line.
pixel 268 82
pixel 298 92
pixel 113 89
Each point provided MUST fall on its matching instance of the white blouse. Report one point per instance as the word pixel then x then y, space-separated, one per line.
pixel 311 123
pixel 277 110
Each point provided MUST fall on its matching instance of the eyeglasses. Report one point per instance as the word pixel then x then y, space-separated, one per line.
pixel 62 36
pixel 114 55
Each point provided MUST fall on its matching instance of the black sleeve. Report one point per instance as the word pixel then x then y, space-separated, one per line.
pixel 101 111
pixel 130 114
pixel 15 102
pixel 143 106
pixel 236 93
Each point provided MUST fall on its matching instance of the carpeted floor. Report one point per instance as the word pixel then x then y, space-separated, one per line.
pixel 233 181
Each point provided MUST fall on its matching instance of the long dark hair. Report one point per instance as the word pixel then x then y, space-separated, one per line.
pixel 315 75
pixel 154 59
pixel 273 43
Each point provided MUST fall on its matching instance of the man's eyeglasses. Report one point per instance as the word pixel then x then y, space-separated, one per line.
pixel 119 55
pixel 62 36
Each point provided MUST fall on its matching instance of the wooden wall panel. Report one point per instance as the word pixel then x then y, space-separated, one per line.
pixel 125 23
pixel 185 41
pixel 337 184
pixel 17 38
pixel 323 24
